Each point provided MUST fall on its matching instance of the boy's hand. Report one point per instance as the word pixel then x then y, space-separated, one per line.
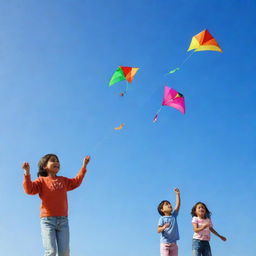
pixel 26 168
pixel 166 225
pixel 177 191
pixel 86 161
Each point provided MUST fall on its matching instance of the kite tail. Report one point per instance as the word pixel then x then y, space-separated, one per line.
pixel 178 68
pixel 156 115
pixel 173 71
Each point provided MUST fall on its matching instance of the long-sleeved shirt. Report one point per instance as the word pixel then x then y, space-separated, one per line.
pixel 53 192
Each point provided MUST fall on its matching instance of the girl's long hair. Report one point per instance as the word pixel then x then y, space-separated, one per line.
pixel 42 163
pixel 207 212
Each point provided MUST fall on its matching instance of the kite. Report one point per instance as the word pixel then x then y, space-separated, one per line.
pixel 123 73
pixel 119 127
pixel 203 41
pixel 173 99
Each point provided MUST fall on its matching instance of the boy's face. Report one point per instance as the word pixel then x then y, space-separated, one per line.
pixel 166 209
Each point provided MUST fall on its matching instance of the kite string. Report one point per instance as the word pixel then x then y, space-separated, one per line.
pixel 186 59
pixel 126 88
pixel 99 143
pixel 158 111
pixel 163 105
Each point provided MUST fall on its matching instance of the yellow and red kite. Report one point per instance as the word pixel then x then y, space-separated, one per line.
pixel 203 41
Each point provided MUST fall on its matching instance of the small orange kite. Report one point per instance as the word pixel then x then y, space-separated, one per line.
pixel 120 127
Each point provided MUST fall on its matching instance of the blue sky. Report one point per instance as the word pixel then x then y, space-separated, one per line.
pixel 56 59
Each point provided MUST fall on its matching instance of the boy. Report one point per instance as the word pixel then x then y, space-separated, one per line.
pixel 168 226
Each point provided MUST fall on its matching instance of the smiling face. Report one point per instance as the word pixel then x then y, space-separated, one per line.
pixel 166 209
pixel 52 166
pixel 200 211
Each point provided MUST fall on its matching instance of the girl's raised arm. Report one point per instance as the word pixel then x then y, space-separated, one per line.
pixel 26 168
pixel 30 187
pixel 86 161
pixel 76 182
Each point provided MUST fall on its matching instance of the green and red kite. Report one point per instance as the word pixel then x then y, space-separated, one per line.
pixel 123 73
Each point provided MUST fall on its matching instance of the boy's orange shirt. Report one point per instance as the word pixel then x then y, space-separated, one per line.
pixel 53 192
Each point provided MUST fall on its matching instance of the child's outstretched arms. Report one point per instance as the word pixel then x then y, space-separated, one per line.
pixel 223 238
pixel 177 207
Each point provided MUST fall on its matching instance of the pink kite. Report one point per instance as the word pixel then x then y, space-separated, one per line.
pixel 173 99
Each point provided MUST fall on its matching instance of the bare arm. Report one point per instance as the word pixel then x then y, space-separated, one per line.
pixel 162 228
pixel 177 207
pixel 197 229
pixel 217 234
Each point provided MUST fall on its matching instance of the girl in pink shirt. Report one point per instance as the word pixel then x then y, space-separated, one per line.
pixel 202 225
pixel 52 190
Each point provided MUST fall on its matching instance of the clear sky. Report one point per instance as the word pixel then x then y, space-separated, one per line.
pixel 56 59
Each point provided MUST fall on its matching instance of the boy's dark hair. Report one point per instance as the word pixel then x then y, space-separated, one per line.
pixel 160 206
pixel 42 163
pixel 207 212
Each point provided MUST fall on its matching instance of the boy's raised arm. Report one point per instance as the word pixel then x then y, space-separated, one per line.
pixel 177 207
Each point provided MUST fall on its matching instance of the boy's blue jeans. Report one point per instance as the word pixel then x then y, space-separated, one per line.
pixel 201 248
pixel 55 235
